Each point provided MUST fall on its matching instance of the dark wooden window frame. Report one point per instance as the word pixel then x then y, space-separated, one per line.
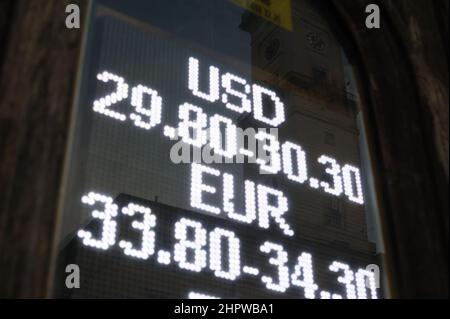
pixel 404 67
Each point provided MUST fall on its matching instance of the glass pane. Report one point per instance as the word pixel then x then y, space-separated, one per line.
pixel 218 150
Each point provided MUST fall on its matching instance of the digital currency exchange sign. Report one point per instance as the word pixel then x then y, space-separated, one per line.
pixel 149 227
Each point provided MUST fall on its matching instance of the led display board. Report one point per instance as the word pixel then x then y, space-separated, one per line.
pixel 166 199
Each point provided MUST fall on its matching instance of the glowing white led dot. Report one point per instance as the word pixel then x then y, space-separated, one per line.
pixel 302 173
pixel 229 150
pixel 334 170
pixel 280 260
pixel 198 125
pixel 258 108
pixel 361 276
pixel 148 236
pixel 304 268
pixel 346 279
pixel 216 240
pixel 102 105
pixel 197 295
pixel 314 183
pixel 250 270
pixel 228 197
pixel 196 245
pixel 245 103
pixel 163 257
pixel 194 80
pixel 109 226
pixel 267 210
pixel 153 112
pixel 170 132
pixel 325 295
pixel 271 146
pixel 246 152
pixel 355 195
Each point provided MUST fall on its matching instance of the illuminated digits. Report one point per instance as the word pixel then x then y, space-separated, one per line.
pixel 246 104
pixel 228 150
pixel 347 172
pixel 273 166
pixel 250 200
pixel 302 173
pixel 334 171
pixel 198 126
pixel 198 187
pixel 102 105
pixel 196 245
pixel 347 279
pixel 108 236
pixel 267 210
pixel 258 108
pixel 148 236
pixel 154 110
pixel 361 276
pixel 215 254
pixel 304 268
pixel 280 261
pixel 194 79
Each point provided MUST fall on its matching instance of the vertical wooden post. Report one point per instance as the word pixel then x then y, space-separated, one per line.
pixel 39 62
pixel 405 73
